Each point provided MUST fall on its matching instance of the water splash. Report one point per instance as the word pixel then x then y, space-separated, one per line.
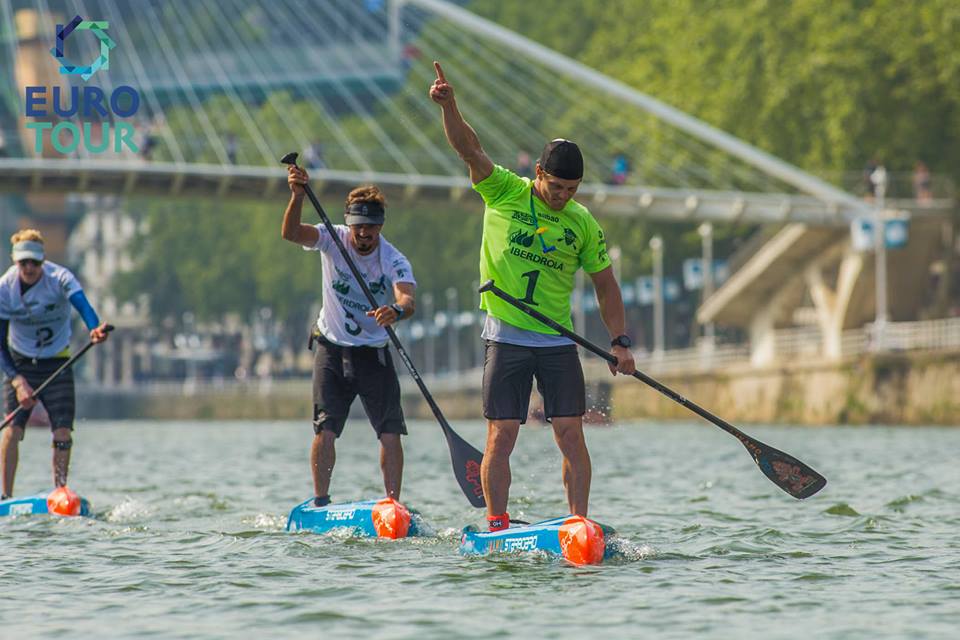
pixel 268 522
pixel 620 549
pixel 126 511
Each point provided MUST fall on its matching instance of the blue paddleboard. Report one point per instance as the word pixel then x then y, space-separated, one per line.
pixel 34 504
pixel 579 540
pixel 383 518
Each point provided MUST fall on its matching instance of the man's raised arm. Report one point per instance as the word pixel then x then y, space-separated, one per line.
pixel 460 135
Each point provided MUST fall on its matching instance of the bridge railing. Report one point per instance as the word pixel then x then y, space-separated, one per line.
pixel 805 344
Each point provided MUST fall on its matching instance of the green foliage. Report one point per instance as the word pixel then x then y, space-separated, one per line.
pixel 825 85
pixel 212 258
pixel 215 258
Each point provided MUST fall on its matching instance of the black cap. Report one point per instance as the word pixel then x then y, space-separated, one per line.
pixel 562 158
pixel 364 213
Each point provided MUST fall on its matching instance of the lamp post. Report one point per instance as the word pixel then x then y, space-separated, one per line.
pixel 656 245
pixel 706 239
pixel 428 323
pixel 453 343
pixel 615 255
pixel 480 316
pixel 879 180
pixel 580 302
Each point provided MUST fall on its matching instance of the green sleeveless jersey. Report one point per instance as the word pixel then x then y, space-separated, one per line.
pixel 513 256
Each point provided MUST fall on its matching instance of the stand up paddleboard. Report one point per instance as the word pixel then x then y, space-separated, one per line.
pixel 62 501
pixel 577 539
pixel 384 518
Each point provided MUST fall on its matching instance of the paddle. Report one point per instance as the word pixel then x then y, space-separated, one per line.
pixel 466 460
pixel 782 469
pixel 36 392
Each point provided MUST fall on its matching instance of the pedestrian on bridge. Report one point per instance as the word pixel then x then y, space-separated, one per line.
pixel 535 238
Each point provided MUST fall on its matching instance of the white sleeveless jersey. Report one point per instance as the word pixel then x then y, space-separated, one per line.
pixel 343 318
pixel 40 318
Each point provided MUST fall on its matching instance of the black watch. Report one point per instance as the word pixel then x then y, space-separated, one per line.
pixel 398 309
pixel 621 341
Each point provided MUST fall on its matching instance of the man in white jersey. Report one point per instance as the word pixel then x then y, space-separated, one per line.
pixel 35 300
pixel 351 357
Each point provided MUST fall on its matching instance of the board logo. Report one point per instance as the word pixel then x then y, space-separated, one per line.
pixel 341 514
pixel 526 543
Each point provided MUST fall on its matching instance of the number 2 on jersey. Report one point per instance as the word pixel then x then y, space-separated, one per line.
pixel 44 337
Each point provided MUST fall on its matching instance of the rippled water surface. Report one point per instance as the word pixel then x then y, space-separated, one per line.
pixel 188 539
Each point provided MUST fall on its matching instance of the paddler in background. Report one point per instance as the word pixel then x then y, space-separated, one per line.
pixel 35 300
pixel 351 356
pixel 535 238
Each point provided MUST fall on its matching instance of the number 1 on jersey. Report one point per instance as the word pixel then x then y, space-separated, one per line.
pixel 532 277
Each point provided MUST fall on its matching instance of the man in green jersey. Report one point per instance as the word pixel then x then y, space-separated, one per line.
pixel 535 238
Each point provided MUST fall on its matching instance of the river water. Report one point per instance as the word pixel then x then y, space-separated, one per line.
pixel 188 538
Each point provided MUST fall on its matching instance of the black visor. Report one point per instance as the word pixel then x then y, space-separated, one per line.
pixel 364 213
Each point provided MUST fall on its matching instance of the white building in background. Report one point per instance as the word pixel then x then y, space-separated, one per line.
pixel 99 247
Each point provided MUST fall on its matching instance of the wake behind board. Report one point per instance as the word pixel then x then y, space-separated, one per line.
pixel 383 518
pixel 578 540
pixel 56 502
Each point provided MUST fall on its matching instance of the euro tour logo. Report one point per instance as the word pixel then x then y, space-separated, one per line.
pixel 86 102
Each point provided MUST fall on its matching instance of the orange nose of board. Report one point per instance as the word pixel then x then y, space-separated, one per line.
pixel 390 519
pixel 63 501
pixel 581 541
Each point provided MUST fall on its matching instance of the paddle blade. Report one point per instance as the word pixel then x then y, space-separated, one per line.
pixel 783 470
pixel 466 466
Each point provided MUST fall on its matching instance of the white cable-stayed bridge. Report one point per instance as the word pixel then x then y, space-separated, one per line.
pixel 225 90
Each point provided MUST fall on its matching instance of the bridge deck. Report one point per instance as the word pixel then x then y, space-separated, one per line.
pixel 130 177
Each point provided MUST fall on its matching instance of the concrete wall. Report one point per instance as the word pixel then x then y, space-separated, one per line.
pixel 916 388
pixel 890 389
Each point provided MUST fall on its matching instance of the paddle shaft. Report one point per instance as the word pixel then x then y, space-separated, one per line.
pixel 785 471
pixel 36 392
pixel 609 357
pixel 469 481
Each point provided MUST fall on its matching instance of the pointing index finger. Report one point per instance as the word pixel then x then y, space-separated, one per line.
pixel 440 77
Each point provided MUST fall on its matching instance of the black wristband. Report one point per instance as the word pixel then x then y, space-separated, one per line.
pixel 399 310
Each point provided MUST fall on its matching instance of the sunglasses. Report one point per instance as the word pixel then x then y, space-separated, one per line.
pixel 28 262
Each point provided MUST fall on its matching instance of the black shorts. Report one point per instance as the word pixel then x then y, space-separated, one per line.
pixel 508 372
pixel 340 374
pixel 58 398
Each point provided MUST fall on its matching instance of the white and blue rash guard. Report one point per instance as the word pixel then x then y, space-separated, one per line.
pixel 343 317
pixel 35 320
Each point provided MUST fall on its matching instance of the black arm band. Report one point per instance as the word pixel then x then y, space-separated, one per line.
pixel 400 310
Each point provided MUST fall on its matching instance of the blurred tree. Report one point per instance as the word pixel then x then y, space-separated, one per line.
pixel 823 85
